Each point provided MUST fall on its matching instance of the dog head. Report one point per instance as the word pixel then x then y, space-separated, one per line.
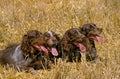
pixel 52 40
pixel 33 41
pixel 92 31
pixel 73 37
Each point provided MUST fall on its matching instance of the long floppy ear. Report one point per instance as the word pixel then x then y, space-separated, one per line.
pixel 67 47
pixel 57 36
pixel 83 30
pixel 25 45
pixel 66 36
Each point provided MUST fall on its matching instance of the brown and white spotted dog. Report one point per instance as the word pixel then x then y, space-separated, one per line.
pixel 52 44
pixel 21 55
pixel 52 40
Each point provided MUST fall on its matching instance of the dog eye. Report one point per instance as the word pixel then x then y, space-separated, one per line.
pixel 72 36
pixel 75 33
pixel 92 28
pixel 47 35
pixel 31 37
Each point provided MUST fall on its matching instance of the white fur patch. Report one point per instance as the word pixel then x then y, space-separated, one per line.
pixel 17 55
pixel 51 34
pixel 18 58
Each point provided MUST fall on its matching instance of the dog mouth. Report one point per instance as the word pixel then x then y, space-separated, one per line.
pixel 95 31
pixel 53 50
pixel 41 48
pixel 98 38
pixel 81 46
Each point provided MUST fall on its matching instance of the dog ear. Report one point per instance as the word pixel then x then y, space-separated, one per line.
pixel 85 29
pixel 25 40
pixel 67 47
pixel 57 36
pixel 82 30
pixel 25 45
pixel 67 35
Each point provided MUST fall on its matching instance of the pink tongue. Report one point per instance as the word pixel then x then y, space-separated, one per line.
pixel 81 47
pixel 54 51
pixel 42 48
pixel 99 39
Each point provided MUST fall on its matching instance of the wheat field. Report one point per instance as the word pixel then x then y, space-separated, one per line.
pixel 19 16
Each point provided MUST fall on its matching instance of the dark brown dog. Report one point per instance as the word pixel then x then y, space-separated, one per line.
pixel 21 55
pixel 91 31
pixel 71 45
pixel 52 40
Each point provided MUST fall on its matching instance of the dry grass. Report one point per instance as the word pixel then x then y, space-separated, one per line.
pixel 18 16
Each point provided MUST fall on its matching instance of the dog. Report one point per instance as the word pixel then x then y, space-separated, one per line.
pixel 71 46
pixel 21 55
pixel 52 40
pixel 91 32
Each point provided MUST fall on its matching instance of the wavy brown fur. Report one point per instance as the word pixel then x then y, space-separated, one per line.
pixel 90 30
pixel 69 50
